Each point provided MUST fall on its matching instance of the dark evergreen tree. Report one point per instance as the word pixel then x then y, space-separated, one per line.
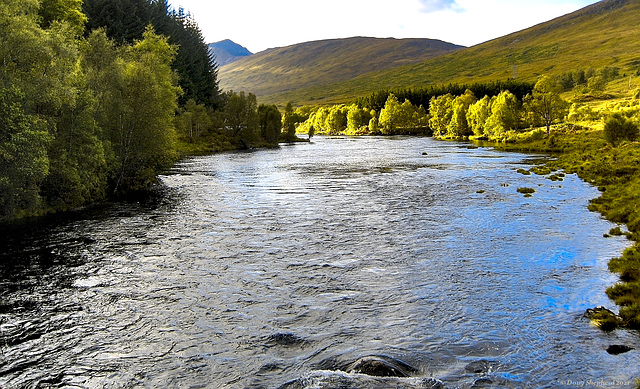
pixel 126 20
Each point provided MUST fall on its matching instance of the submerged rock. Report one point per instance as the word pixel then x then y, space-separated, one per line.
pixel 285 339
pixel 480 367
pixel 616 349
pixel 381 366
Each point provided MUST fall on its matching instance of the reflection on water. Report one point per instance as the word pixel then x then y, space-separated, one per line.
pixel 318 265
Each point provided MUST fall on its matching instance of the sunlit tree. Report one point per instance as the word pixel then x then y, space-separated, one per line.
pixel 441 112
pixel 459 126
pixel 546 103
pixel 478 114
pixel 505 115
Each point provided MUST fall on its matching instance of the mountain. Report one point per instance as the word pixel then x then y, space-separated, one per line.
pixel 603 34
pixel 319 63
pixel 227 51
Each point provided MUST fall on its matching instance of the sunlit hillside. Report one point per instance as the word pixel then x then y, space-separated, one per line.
pixel 603 34
pixel 320 63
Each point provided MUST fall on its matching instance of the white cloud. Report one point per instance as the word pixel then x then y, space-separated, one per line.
pixel 429 6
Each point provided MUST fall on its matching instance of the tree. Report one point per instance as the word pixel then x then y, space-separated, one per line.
pixel 546 102
pixel 389 115
pixel 193 120
pixel 374 127
pixel 143 134
pixel 441 112
pixel 289 122
pixel 336 120
pixel 505 115
pixel 126 20
pixel 24 163
pixel 357 118
pixel 241 116
pixel 618 128
pixel 459 126
pixel 67 11
pixel 269 123
pixel 478 114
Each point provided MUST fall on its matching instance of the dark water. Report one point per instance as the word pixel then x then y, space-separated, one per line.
pixel 283 267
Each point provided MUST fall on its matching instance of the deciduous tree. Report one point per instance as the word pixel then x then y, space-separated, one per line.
pixel 546 102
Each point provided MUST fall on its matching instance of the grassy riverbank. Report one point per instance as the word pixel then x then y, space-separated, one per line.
pixel 616 172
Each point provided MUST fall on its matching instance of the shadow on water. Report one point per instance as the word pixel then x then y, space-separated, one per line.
pixel 40 261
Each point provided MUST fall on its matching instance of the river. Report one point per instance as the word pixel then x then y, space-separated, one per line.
pixel 284 267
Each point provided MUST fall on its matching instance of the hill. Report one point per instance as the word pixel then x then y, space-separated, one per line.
pixel 227 51
pixel 319 63
pixel 602 34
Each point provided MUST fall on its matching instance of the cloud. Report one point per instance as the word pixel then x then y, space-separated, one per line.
pixel 429 6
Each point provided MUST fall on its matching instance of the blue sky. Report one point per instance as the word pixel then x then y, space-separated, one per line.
pixel 262 24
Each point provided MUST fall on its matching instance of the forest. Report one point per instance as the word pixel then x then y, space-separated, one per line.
pixel 98 97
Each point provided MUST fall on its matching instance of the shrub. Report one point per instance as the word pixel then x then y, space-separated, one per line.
pixel 618 128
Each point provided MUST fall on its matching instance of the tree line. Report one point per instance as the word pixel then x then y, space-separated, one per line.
pixel 496 116
pixel 97 97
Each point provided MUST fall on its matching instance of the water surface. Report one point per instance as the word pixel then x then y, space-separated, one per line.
pixel 281 267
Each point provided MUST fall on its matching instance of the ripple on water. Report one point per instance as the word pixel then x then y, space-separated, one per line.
pixel 284 268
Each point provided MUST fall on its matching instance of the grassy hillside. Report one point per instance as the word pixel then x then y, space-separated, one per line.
pixel 603 34
pixel 324 62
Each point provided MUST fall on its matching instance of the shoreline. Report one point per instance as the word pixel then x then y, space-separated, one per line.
pixel 615 171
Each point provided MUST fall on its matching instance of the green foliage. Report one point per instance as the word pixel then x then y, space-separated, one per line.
pixel 193 121
pixel 618 128
pixel 66 11
pixel 579 112
pixel 505 115
pixel 459 126
pixel 23 156
pixel 357 120
pixel 441 113
pixel 289 121
pixel 422 96
pixel 125 21
pixel 390 115
pixel 269 123
pixel 240 115
pixel 478 114
pixel 545 102
pixel 336 119
pixel 374 126
pixel 143 135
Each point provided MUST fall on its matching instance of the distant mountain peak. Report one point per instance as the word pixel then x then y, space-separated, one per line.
pixel 227 51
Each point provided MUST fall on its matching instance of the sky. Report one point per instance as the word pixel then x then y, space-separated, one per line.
pixel 263 24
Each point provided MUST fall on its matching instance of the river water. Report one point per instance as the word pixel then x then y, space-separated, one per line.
pixel 282 268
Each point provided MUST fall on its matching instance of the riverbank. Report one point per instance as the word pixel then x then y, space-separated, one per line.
pixel 219 142
pixel 616 173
